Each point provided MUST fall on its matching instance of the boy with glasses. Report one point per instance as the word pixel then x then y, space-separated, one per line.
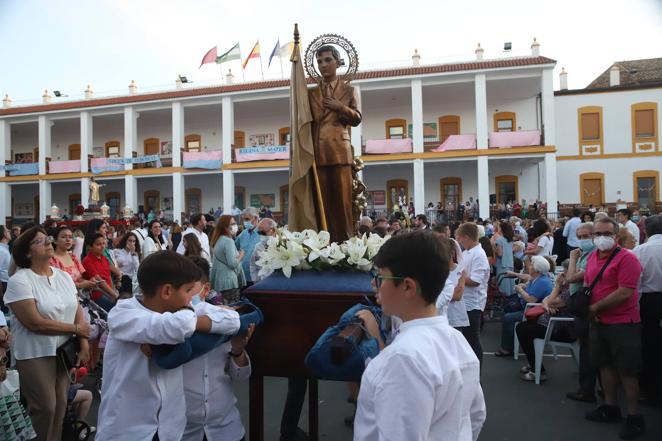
pixel 425 384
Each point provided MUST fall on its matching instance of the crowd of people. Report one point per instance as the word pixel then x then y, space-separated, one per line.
pixel 157 283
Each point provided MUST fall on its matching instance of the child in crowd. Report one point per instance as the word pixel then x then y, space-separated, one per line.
pixel 211 409
pixel 97 268
pixel 139 400
pixel 426 383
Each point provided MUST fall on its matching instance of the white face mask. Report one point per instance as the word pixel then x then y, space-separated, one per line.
pixel 604 243
pixel 234 228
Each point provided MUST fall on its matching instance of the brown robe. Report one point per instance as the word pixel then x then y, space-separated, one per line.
pixel 333 154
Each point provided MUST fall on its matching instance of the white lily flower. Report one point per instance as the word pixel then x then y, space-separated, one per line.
pixel 336 255
pixel 289 257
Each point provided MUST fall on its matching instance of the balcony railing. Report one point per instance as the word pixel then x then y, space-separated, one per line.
pixel 23 169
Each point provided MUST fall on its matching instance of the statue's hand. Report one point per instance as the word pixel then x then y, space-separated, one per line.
pixel 333 104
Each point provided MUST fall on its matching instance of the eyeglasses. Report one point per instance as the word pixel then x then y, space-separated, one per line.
pixel 378 279
pixel 45 241
pixel 605 233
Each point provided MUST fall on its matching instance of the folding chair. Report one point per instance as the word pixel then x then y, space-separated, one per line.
pixel 539 345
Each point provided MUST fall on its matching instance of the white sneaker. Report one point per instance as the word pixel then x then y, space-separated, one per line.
pixel 531 376
pixel 525 369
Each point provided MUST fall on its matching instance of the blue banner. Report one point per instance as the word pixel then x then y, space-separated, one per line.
pixel 30 168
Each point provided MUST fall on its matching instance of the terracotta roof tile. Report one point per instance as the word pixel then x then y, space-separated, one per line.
pixel 632 73
pixel 271 84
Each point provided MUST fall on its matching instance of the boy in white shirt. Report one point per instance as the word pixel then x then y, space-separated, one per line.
pixel 425 385
pixel 140 401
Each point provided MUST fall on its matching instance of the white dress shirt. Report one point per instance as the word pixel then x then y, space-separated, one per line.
pixel 570 231
pixel 5 258
pixel 425 386
pixel 634 229
pixel 55 297
pixel 650 257
pixel 211 409
pixel 477 268
pixel 140 399
pixel 456 311
pixel 127 262
pixel 202 237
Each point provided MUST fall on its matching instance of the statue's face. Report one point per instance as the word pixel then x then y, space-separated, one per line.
pixel 327 64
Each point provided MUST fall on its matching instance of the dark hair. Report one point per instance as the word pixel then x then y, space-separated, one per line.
pixel 22 245
pixel 55 233
pixel 653 225
pixel 487 246
pixel 195 219
pixel 422 218
pixel 122 244
pixel 419 255
pixel 507 230
pixel 540 227
pixel 449 243
pixel 193 247
pixel 26 226
pixel 150 234
pixel 576 212
pixel 91 238
pixel 589 214
pixel 2 231
pixel 333 50
pixel 203 266
pixel 166 268
pixel 379 231
pixel 626 212
pixel 363 229
pixel 93 226
pixel 439 228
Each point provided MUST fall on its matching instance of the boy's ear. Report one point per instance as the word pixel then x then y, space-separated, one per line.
pixel 412 287
pixel 165 291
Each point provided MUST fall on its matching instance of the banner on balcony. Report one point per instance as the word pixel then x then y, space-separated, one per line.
pixel 210 160
pixel 265 153
pixel 31 168
pixel 100 165
pixel 521 138
pixel 388 146
pixel 72 166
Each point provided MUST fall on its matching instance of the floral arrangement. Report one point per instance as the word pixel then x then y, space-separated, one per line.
pixel 79 210
pixel 308 250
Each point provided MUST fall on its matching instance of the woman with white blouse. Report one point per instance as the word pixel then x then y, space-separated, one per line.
pixel 127 258
pixel 154 241
pixel 44 301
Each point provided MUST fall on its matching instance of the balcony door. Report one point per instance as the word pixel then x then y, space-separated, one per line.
pixel 74 152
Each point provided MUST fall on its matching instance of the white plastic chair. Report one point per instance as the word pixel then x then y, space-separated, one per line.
pixel 515 339
pixel 539 345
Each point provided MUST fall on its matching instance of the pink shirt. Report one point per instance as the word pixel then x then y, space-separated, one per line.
pixel 623 272
pixel 76 270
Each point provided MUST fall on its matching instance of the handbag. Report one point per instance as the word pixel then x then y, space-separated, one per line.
pixel 341 353
pixel 67 353
pixel 579 303
pixel 534 312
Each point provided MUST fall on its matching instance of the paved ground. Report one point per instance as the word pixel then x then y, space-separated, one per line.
pixel 516 410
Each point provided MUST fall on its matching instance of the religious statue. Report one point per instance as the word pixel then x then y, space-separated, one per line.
pixel 94 191
pixel 335 107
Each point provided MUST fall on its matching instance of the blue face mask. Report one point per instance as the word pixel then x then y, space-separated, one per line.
pixel 195 299
pixel 248 225
pixel 586 245
pixel 635 218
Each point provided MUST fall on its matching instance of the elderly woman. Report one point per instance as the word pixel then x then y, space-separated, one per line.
pixel 554 306
pixel 535 290
pixel 45 304
pixel 227 274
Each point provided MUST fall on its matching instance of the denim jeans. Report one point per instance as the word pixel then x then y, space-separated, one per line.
pixel 508 323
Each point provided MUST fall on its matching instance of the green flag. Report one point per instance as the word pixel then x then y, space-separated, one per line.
pixel 232 54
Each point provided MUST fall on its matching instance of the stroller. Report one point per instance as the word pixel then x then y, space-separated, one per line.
pixel 72 427
pixel 97 317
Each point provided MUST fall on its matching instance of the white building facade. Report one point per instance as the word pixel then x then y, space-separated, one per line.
pixel 486 129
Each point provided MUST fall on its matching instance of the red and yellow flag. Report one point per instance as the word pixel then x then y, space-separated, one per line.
pixel 255 53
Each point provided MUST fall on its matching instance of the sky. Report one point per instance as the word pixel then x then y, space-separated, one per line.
pixel 67 44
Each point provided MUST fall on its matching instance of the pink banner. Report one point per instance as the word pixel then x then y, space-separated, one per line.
pixel 514 139
pixel 457 142
pixel 265 153
pixel 388 146
pixel 72 166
